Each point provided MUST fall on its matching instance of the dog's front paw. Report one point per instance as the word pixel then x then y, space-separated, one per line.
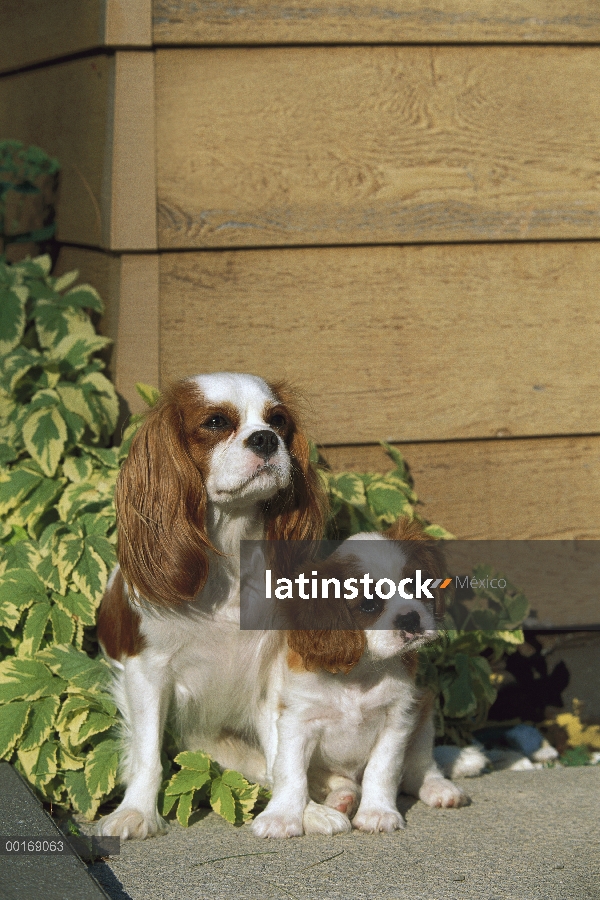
pixel 441 792
pixel 127 823
pixel 344 799
pixel 375 820
pixel 277 825
pixel 319 819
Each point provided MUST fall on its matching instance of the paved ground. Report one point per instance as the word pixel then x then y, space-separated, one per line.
pixel 526 836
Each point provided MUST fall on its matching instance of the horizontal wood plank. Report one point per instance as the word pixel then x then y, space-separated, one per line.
pixel 537 489
pixel 399 343
pixel 36 31
pixel 347 21
pixel 525 489
pixel 355 145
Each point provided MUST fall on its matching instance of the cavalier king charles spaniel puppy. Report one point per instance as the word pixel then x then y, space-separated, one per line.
pixel 220 458
pixel 353 727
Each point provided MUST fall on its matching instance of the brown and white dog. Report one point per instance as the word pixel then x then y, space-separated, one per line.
pixel 219 459
pixel 353 727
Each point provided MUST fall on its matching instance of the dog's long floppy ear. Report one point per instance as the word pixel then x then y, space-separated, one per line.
pixel 424 553
pixel 322 631
pixel 160 501
pixel 297 513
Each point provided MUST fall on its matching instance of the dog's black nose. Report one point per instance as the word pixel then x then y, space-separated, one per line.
pixel 263 443
pixel 410 622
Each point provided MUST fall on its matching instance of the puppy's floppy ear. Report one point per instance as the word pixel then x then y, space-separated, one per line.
pixel 322 631
pixel 333 651
pixel 298 512
pixel 424 552
pixel 161 500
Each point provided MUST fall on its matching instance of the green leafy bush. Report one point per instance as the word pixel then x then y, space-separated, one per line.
pixel 28 186
pixel 58 411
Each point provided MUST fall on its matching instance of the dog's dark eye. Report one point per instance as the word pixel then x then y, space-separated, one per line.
pixel 277 421
pixel 216 423
pixel 374 605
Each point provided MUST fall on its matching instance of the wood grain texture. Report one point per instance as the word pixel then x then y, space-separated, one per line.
pixel 322 145
pixel 399 343
pixel 129 191
pixel 390 21
pixel 64 109
pixel 35 31
pixel 32 31
pixel 537 488
pixel 542 489
pixel 128 23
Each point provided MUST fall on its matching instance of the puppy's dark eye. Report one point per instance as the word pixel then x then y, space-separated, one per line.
pixel 216 422
pixel 277 420
pixel 374 605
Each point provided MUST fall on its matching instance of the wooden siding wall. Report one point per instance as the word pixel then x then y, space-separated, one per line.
pixel 405 224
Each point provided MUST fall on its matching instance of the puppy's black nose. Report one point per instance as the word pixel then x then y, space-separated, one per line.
pixel 263 443
pixel 409 621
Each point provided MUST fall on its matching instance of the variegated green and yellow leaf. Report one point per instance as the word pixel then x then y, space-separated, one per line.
pixel 23 553
pixel 148 393
pixel 101 769
pixel 50 575
pixel 77 606
pixel 79 795
pixel 350 488
pixel 13 719
pixel 41 722
pixel 78 468
pixel 84 296
pixel 15 486
pixel 76 401
pixel 45 435
pixel 221 799
pixel 79 671
pixel 21 588
pixel 17 364
pixel 90 574
pixel 27 679
pixel 40 499
pixel 73 351
pixel 63 625
pixel 69 762
pixel 12 316
pixel 184 809
pixel 65 281
pixel 387 502
pixel 72 706
pixel 67 552
pixel 96 723
pixel 100 393
pixel 34 628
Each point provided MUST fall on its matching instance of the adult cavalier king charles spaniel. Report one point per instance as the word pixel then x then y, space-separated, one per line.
pixel 219 459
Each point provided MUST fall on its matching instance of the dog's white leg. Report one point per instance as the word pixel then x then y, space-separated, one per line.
pixel 283 815
pixel 142 697
pixel 378 810
pixel 422 777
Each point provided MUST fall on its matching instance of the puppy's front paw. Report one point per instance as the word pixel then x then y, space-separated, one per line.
pixel 344 799
pixel 375 820
pixel 319 819
pixel 441 792
pixel 277 825
pixel 127 823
